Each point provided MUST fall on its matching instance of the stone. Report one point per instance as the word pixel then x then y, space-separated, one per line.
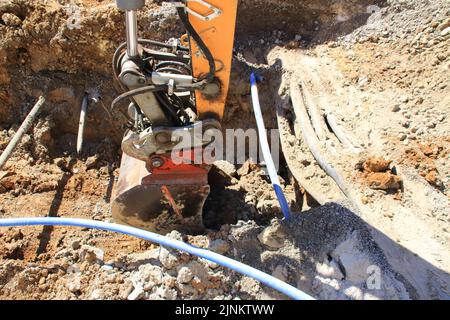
pixel 219 246
pixel 249 286
pixel 199 271
pixel 396 108
pixel 433 179
pixel 327 289
pixel 186 289
pixel 431 125
pixel 75 244
pixel 209 264
pixel 149 273
pixel 169 258
pixel 376 164
pixel 97 294
pixel 91 162
pixel 135 260
pixel 73 285
pixel 268 206
pixel 354 293
pixel 406 123
pixel 246 168
pixel 273 236
pixel 404 99
pixel 91 254
pixel 136 294
pixel 185 275
pixel 445 32
pixel 169 281
pixel 384 181
pixel 226 167
pixel 281 273
pixel 354 262
pixel 11 20
pixel 166 293
pixel 329 270
pixel 175 235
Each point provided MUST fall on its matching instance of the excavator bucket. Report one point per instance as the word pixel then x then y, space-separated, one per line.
pixel 160 199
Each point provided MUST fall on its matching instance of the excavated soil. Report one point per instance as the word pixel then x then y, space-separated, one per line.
pixel 380 67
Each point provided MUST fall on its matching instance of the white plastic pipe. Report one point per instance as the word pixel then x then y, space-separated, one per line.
pixel 266 150
pixel 26 125
pixel 82 124
pixel 262 277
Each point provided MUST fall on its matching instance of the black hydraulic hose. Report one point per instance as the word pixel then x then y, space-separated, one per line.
pixel 201 44
pixel 170 70
pixel 115 64
pixel 192 87
pixel 118 53
pixel 160 96
pixel 182 65
pixel 135 92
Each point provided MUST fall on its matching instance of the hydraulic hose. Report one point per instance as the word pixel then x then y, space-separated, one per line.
pixel 201 44
pixel 136 92
pixel 266 150
pixel 269 280
pixel 26 125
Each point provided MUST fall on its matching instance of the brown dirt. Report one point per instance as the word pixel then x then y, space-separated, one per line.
pixel 423 157
pixel 377 174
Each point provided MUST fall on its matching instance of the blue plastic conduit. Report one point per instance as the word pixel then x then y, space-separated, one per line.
pixel 272 282
pixel 266 150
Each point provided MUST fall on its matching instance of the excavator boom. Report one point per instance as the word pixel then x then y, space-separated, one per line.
pixel 218 35
pixel 176 93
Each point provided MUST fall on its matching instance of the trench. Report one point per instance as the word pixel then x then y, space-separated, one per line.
pixel 63 63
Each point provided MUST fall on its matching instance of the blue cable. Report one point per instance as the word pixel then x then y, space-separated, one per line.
pixel 262 277
pixel 266 150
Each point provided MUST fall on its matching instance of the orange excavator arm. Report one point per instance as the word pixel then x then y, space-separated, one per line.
pixel 218 35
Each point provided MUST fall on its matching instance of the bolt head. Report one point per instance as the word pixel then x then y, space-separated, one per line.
pixel 157 162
